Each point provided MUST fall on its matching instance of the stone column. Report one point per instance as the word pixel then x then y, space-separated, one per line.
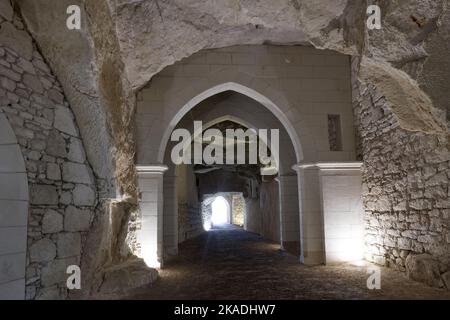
pixel 151 205
pixel 289 214
pixel 341 197
pixel 170 235
pixel 310 219
pixel 330 211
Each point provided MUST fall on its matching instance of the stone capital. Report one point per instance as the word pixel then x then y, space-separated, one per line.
pixel 328 166
pixel 151 169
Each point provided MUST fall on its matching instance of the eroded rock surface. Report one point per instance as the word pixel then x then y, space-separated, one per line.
pixel 34 104
pixel 424 268
pixel 123 44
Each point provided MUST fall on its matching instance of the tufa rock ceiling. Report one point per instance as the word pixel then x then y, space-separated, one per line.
pixel 124 43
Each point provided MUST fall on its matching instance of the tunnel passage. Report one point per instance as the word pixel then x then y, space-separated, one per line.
pixel 84 117
pixel 295 203
pixel 240 188
pixel 223 208
pixel 220 211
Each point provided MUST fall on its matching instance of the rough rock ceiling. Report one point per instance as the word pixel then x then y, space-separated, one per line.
pixel 123 43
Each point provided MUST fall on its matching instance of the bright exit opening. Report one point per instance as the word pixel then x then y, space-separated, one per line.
pixel 220 211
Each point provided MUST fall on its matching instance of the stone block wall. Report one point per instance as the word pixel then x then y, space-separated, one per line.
pixel 270 210
pixel 13 214
pixel 236 204
pixel 238 210
pixel 190 222
pixel 405 191
pixel 304 83
pixel 253 220
pixel 61 183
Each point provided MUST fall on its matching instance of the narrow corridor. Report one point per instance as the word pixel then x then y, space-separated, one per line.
pixel 230 263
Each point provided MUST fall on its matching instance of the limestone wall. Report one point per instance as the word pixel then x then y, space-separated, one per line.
pixel 189 215
pixel 238 210
pixel 304 84
pixel 405 191
pixel 186 186
pixel 270 213
pixel 190 222
pixel 61 184
pixel 253 218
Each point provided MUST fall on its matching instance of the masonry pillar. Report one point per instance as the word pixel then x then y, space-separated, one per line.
pixel 330 211
pixel 170 235
pixel 310 216
pixel 341 203
pixel 151 205
pixel 289 214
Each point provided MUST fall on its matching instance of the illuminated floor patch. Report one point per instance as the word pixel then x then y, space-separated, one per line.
pixel 229 263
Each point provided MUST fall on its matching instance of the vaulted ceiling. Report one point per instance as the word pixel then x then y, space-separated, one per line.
pixel 123 43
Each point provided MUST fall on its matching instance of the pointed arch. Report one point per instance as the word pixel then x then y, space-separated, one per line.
pixel 228 117
pixel 13 214
pixel 242 89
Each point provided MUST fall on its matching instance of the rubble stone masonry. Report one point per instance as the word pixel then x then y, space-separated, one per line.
pixel 405 191
pixel 61 183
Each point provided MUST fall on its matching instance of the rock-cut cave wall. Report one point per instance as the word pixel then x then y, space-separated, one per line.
pixel 405 191
pixel 62 187
pixel 120 48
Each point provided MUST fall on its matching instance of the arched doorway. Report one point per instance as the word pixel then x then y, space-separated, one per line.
pixel 306 185
pixel 237 110
pixel 221 211
pixel 284 209
pixel 13 214
pixel 244 90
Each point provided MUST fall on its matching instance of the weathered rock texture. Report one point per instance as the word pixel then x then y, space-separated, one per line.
pixel 129 42
pixel 406 189
pixel 405 141
pixel 71 55
pixel 123 44
pixel 238 210
pixel 62 187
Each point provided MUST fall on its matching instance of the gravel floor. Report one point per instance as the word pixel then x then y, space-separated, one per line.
pixel 230 263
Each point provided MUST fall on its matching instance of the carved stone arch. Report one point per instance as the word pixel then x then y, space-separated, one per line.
pixel 13 214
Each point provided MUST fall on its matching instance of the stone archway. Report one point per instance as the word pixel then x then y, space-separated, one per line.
pixel 173 94
pixel 164 185
pixel 216 206
pixel 247 91
pixel 286 211
pixel 13 214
